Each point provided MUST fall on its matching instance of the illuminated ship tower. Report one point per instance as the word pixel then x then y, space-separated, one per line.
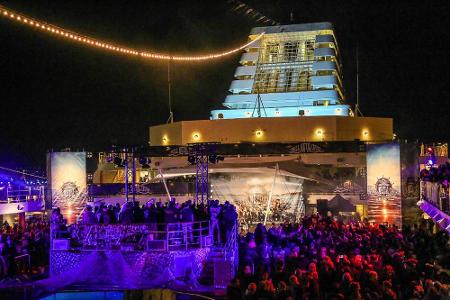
pixel 288 88
pixel 293 70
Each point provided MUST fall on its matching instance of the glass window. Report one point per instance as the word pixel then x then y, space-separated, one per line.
pixel 290 51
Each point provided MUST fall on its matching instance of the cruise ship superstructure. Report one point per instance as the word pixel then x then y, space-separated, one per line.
pixel 293 70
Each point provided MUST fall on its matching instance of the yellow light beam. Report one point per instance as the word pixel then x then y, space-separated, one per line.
pixel 96 43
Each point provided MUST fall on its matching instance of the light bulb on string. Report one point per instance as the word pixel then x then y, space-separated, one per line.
pixel 23 19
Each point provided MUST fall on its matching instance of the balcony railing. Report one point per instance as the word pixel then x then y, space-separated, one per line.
pixel 133 237
pixel 436 194
pixel 10 195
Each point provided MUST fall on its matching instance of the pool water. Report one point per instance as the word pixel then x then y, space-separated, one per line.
pixel 110 295
pixel 163 294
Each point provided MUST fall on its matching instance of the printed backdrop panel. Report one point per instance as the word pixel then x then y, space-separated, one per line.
pixel 384 183
pixel 68 182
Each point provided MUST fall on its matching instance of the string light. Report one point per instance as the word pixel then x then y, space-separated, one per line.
pixel 90 41
pixel 19 172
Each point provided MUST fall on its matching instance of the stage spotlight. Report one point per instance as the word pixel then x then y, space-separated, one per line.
pixel 191 159
pixel 212 158
pixel 118 162
pixel 431 156
pixel 144 162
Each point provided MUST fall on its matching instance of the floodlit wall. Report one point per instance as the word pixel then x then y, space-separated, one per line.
pixel 273 130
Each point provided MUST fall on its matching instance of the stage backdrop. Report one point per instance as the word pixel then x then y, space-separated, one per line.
pixel 384 183
pixel 68 182
pixel 249 190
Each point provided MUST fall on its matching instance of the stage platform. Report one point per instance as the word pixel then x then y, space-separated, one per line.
pixel 138 256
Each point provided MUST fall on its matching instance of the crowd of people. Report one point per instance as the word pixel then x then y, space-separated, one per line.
pixel 319 258
pixel 326 258
pixel 24 249
pixel 222 217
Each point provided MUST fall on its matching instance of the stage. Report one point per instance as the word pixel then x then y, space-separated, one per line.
pixel 140 256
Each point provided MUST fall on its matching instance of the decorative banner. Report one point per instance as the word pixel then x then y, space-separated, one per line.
pixel 384 184
pixel 68 182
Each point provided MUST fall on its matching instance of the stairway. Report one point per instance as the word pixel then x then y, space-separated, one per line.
pixel 217 269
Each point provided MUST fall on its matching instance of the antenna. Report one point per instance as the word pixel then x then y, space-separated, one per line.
pixel 169 87
pixel 258 105
pixel 357 110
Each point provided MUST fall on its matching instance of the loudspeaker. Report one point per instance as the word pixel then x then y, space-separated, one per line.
pixel 322 206
pixel 61 244
pixel 222 273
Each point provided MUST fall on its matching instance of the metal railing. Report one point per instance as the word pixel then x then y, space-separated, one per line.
pixel 134 237
pixel 9 195
pixel 23 263
pixel 231 249
pixel 436 194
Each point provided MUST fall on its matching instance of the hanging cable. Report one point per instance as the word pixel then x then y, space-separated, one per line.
pixel 93 42
pixel 22 173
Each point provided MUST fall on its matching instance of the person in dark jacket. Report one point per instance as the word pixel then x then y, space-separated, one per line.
pixel 187 219
pixel 126 214
pixel 88 216
pixel 234 290
pixel 105 217
pixel 214 211
pixel 251 292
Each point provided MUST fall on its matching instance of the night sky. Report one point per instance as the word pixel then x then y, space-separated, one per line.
pixel 55 93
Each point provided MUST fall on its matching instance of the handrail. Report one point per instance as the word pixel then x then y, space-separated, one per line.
pixel 23 195
pixel 441 196
pixel 140 224
pixel 140 236
pixel 230 249
pixel 20 200
pixel 439 205
pixel 24 258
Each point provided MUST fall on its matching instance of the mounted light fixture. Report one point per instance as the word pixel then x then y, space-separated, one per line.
pixel 144 162
pixel 191 159
pixel 319 132
pixel 259 133
pixel 196 136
